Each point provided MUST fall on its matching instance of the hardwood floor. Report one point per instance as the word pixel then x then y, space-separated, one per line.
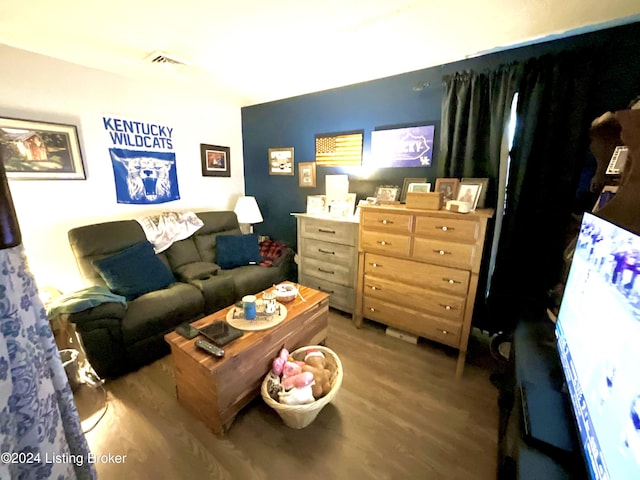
pixel 400 414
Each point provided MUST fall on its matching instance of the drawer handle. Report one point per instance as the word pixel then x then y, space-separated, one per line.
pixel 442 252
pixel 445 332
pixel 383 243
pixel 375 265
pixel 444 228
pixel 326 271
pixel 451 280
pixel 447 307
pixel 372 309
pixel 322 230
pixel 385 222
pixel 325 290
pixel 326 251
pixel 373 287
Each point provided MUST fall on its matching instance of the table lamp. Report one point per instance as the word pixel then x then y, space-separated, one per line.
pixel 247 212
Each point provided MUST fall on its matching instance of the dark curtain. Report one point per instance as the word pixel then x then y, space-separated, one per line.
pixel 475 112
pixel 550 145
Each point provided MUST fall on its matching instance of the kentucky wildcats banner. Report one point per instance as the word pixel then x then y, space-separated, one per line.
pixel 144 164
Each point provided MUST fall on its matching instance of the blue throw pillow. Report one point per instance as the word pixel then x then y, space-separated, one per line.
pixel 237 250
pixel 134 271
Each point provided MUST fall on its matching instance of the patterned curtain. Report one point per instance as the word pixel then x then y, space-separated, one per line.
pixel 40 432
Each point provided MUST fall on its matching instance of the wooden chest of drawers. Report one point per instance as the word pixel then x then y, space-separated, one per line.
pixel 328 258
pixel 418 271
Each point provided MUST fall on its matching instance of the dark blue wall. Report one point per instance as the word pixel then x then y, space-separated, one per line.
pixel 294 122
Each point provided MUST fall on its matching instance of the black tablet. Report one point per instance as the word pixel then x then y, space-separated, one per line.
pixel 220 332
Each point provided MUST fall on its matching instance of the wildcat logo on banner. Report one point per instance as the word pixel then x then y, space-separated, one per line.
pixel 144 164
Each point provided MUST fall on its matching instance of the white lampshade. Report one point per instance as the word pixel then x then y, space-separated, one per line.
pixel 247 210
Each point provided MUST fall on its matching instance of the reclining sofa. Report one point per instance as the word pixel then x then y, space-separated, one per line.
pixel 120 337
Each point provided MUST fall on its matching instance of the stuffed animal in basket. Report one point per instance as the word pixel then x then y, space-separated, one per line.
pixel 316 363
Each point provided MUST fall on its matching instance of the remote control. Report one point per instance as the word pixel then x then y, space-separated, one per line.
pixel 210 348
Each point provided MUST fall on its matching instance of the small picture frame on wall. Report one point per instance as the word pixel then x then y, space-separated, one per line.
pixel 405 187
pixel 448 187
pixel 215 160
pixel 281 161
pixel 307 174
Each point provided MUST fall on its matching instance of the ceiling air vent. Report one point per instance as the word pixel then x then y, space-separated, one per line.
pixel 162 58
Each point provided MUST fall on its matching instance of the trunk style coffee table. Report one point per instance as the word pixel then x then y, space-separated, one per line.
pixel 215 389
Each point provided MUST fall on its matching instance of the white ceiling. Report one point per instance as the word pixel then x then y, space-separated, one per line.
pixel 261 50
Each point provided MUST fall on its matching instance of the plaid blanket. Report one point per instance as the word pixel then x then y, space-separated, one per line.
pixel 270 251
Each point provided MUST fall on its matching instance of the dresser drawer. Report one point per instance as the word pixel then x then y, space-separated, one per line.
pixel 386 221
pixel 340 296
pixel 434 277
pixel 449 229
pixel 332 272
pixel 330 231
pixel 410 320
pixel 461 255
pixel 329 252
pixel 415 297
pixel 386 242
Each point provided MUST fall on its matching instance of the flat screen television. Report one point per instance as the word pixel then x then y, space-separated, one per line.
pixel 598 334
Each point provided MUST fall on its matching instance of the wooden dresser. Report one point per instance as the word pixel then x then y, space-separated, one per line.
pixel 328 258
pixel 418 271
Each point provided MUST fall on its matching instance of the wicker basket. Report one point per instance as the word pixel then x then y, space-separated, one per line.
pixel 300 416
pixel 286 292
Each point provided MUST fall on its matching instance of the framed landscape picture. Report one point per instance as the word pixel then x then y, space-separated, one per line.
pixel 34 150
pixel 281 161
pixel 215 160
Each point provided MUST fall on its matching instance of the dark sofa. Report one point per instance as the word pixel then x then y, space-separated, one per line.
pixel 118 338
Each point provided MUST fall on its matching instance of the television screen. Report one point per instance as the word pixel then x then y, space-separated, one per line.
pixel 598 333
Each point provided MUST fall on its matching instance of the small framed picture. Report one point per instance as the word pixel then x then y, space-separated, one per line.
pixel 317 205
pixel 307 174
pixel 387 193
pixel 215 160
pixel 405 187
pixel 448 187
pixel 419 187
pixel 469 193
pixel 483 192
pixel 281 161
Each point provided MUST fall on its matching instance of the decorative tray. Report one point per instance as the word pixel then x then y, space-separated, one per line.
pixel 235 318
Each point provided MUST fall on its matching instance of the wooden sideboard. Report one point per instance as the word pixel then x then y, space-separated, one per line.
pixel 328 257
pixel 418 271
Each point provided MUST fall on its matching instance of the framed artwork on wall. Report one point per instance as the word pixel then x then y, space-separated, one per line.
pixel 402 147
pixel 448 187
pixel 215 160
pixel 281 161
pixel 34 150
pixel 307 174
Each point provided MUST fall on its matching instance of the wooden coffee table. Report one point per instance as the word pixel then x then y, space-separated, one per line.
pixel 215 389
